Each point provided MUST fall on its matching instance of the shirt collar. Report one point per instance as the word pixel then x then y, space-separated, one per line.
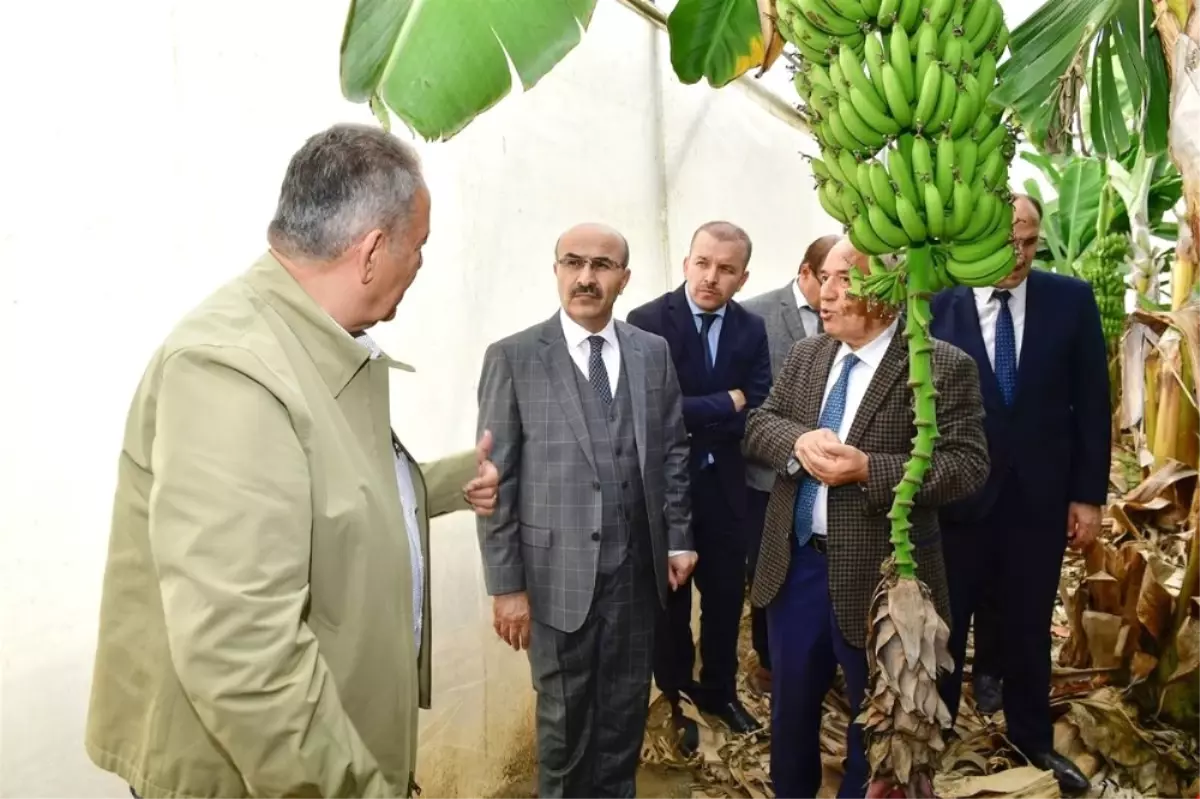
pixel 984 295
pixel 801 302
pixel 872 352
pixel 576 334
pixel 697 310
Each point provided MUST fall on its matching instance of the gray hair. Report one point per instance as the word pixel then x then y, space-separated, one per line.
pixel 342 184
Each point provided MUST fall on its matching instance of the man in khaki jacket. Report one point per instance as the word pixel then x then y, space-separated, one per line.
pixel 264 626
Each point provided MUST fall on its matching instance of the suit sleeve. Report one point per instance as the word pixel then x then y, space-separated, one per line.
pixel 678 511
pixel 444 482
pixel 230 527
pixel 1091 418
pixel 959 466
pixel 500 533
pixel 770 434
pixel 700 412
pixel 757 387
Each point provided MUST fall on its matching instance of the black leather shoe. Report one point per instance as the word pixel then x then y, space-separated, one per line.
pixel 738 719
pixel 1070 779
pixel 687 732
pixel 989 695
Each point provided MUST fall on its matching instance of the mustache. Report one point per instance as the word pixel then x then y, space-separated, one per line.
pixel 586 291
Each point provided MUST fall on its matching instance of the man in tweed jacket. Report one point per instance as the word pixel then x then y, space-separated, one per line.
pixel 592 526
pixel 790 312
pixel 837 429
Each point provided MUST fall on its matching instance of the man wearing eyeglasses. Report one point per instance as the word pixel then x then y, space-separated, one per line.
pixel 592 526
pixel 723 360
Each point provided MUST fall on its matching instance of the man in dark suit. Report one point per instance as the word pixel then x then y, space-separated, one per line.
pixel 1038 343
pixel 791 313
pixel 722 359
pixel 592 523
pixel 838 428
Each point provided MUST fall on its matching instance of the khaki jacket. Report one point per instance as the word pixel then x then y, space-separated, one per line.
pixel 256 630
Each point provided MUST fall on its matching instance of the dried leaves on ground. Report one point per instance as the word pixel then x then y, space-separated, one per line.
pixel 1126 644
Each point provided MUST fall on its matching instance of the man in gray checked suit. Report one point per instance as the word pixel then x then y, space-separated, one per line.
pixel 592 525
pixel 791 313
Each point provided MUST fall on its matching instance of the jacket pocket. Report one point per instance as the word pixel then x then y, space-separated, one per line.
pixel 535 536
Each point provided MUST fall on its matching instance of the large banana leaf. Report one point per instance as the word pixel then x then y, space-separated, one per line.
pixel 437 64
pixel 1106 48
pixel 717 40
pixel 1069 220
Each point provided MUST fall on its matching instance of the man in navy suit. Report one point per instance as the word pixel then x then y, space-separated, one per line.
pixel 1043 370
pixel 723 362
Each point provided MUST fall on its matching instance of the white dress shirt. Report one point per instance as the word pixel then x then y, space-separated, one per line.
pixel 408 506
pixel 870 356
pixel 580 350
pixel 808 314
pixel 988 310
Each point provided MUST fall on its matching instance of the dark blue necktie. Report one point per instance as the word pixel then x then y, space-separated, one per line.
pixel 597 374
pixel 706 323
pixel 1006 349
pixel 831 419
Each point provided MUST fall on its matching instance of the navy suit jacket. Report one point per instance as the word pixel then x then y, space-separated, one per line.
pixel 743 363
pixel 1055 440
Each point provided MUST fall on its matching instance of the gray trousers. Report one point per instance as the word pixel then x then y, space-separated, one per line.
pixel 593 689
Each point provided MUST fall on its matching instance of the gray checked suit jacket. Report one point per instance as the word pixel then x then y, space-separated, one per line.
pixel 540 538
pixel 784 328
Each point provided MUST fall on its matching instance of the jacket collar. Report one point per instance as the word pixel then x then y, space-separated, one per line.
pixel 336 354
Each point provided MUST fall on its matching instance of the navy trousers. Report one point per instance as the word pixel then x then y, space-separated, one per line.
pixel 806 648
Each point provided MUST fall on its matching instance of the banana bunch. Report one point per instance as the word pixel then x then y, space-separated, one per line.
pixel 911 154
pixel 1102 267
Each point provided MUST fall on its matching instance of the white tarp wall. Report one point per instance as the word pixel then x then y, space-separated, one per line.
pixel 141 149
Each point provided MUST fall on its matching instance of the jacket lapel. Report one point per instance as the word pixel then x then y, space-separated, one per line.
pixel 679 313
pixel 727 338
pixel 966 319
pixel 634 361
pixel 814 387
pixel 893 365
pixel 791 314
pixel 559 368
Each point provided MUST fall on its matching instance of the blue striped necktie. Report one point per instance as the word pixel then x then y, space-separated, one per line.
pixel 831 419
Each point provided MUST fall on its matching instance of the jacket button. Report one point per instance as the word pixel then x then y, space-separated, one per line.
pixel 596 486
pixel 595 536
pixel 624 484
pixel 618 450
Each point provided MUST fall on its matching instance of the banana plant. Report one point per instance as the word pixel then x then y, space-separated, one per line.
pixel 1069 48
pixel 439 64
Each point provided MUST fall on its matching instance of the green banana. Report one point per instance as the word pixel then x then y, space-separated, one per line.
pixel 943 172
pixel 984 272
pixel 984 208
pixel 910 15
pixel 966 106
pixel 864 238
pixel 935 214
pixel 852 10
pixel 947 94
pixel 819 169
pixel 993 169
pixel 927 100
pixel 830 160
pixel 990 25
pixel 894 93
pixel 853 70
pixel 871 7
pixel 986 75
pixel 952 54
pixel 922 161
pixel 818 76
pixel 886 14
pixel 821 15
pixel 863 181
pixel 883 227
pixel 965 155
pixel 849 166
pixel 811 54
pixel 801 84
pixel 901 174
pixel 831 202
pixel 900 57
pixel 878 121
pixel 960 209
pixel 990 142
pixel 852 201
pixel 840 133
pixel 905 144
pixel 910 220
pixel 925 54
pixel 875 267
pixel 999 41
pixel 881 188
pixel 976 14
pixel 980 248
pixel 858 129
pixel 944 280
pixel 874 57
pixel 938 11
pixel 812 36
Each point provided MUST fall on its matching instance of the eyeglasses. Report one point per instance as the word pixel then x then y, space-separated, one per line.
pixel 576 263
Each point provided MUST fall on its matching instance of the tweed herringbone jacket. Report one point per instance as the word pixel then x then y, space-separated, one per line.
pixel 857 513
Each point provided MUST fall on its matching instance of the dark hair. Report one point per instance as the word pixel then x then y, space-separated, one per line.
pixel 341 184
pixel 818 251
pixel 725 231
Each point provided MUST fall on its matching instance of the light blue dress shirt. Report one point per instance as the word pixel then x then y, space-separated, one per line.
pixel 714 332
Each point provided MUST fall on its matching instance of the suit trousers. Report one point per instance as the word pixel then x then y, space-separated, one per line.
pixel 807 646
pixel 1002 551
pixel 756 506
pixel 593 688
pixel 720 576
